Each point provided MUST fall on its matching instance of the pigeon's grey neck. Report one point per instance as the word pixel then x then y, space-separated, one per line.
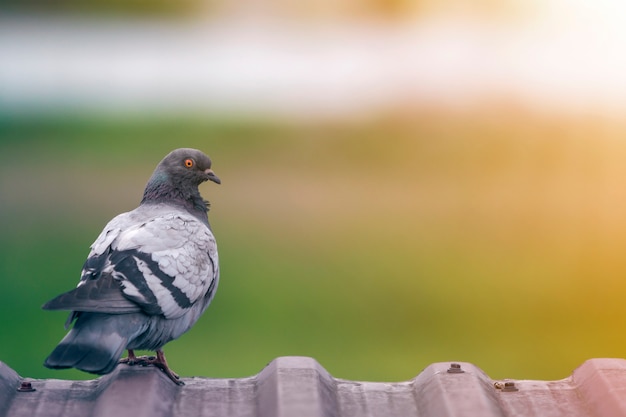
pixel 161 189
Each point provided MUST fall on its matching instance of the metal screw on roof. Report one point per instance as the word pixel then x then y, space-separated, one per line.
pixel 509 387
pixel 455 368
pixel 26 387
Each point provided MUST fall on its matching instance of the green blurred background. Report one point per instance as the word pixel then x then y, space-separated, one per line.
pixel 376 249
pixel 378 244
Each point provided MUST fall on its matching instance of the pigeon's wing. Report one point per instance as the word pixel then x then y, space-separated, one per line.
pixel 166 264
pixel 162 264
pixel 98 290
pixel 103 295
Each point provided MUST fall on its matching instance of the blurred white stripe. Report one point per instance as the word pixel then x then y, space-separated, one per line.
pixel 298 70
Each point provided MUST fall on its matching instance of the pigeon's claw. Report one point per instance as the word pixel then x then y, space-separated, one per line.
pixel 130 360
pixel 159 361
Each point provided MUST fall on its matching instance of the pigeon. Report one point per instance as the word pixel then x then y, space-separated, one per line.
pixel 149 276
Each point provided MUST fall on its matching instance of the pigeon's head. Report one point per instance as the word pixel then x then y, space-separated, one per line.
pixel 176 179
pixel 187 166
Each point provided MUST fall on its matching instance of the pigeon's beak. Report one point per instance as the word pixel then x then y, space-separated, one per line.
pixel 212 176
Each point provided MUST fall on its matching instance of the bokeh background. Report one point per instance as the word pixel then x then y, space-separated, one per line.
pixel 404 182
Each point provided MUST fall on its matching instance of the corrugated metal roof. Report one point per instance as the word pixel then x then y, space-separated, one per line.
pixel 301 387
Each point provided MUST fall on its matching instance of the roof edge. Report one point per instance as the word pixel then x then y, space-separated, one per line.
pixel 595 380
pixel 285 377
pixel 9 383
pixel 447 384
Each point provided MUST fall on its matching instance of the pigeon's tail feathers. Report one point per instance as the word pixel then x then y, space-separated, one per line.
pixel 93 345
pixel 92 359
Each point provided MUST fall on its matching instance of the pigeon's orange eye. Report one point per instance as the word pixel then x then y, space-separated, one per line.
pixel 188 162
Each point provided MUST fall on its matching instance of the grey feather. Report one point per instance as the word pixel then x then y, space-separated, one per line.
pixel 96 342
pixel 106 290
pixel 150 274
